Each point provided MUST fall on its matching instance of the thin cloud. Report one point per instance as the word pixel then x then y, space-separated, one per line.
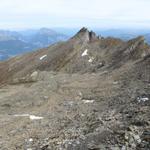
pixel 35 13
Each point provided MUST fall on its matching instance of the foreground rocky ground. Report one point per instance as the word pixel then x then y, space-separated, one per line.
pixel 97 97
pixel 74 111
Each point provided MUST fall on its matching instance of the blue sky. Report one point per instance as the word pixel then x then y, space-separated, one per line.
pixel 18 14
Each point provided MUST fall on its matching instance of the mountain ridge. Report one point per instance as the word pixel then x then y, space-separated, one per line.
pixel 63 56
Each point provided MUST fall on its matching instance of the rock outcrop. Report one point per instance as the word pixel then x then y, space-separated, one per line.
pixel 86 36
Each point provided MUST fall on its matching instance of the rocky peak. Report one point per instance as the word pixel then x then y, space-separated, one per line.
pixel 86 36
pixel 83 30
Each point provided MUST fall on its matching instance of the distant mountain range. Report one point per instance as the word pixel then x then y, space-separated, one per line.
pixel 13 43
pixel 125 34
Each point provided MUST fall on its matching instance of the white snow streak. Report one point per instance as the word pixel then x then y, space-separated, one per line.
pixel 41 58
pixel 30 140
pixel 85 53
pixel 143 99
pixel 88 101
pixel 91 59
pixel 31 117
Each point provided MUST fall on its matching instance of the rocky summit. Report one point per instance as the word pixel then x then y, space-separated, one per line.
pixel 88 93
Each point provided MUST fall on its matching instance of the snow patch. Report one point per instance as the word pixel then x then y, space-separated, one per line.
pixel 142 99
pixel 115 82
pixel 91 59
pixel 88 101
pixel 41 58
pixel 31 117
pixel 85 53
pixel 82 115
pixel 30 140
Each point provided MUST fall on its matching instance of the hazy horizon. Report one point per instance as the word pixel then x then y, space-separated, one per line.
pixel 108 14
